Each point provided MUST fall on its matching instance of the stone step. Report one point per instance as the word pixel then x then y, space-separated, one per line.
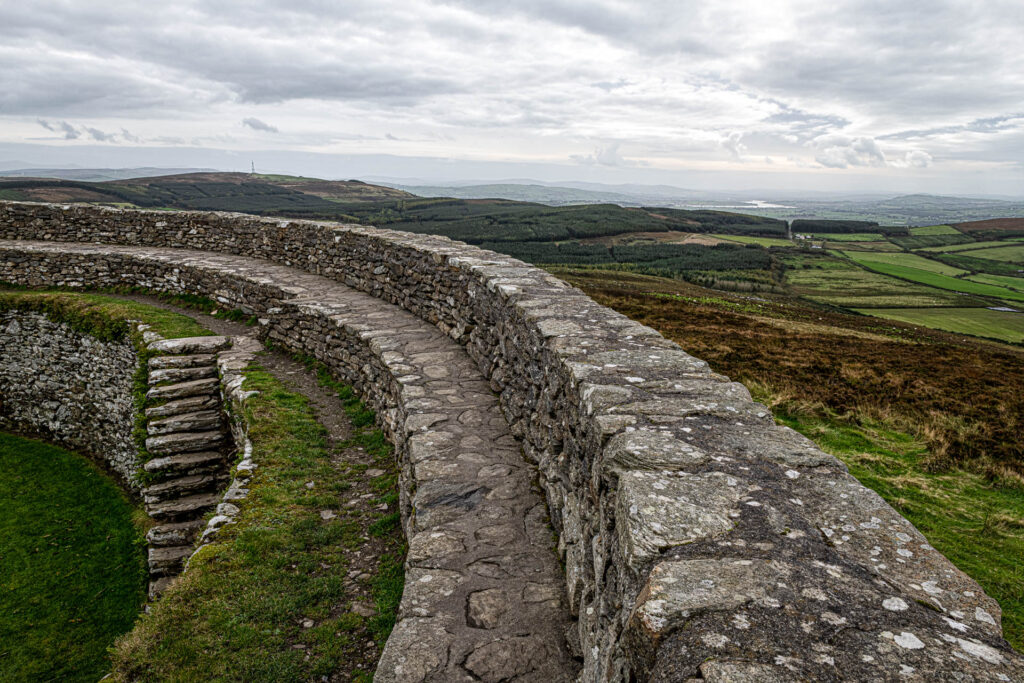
pixel 187 463
pixel 175 534
pixel 198 387
pixel 185 442
pixel 192 361
pixel 191 345
pixel 181 374
pixel 166 561
pixel 186 422
pixel 184 405
pixel 183 508
pixel 179 487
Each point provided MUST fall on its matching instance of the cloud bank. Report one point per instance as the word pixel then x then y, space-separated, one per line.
pixel 928 88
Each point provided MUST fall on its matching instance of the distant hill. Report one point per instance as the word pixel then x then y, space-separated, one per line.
pixel 211 190
pixel 97 175
pixel 542 194
pixel 470 220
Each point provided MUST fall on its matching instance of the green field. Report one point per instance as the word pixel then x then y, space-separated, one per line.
pixel 842 283
pixel 935 230
pixel 849 236
pixel 871 246
pixel 967 246
pixel 1010 253
pixel 953 284
pixel 981 322
pixel 1016 283
pixel 760 241
pixel 72 564
pixel 906 260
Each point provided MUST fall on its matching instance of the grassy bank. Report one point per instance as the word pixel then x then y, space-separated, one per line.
pixel 100 316
pixel 72 564
pixel 270 601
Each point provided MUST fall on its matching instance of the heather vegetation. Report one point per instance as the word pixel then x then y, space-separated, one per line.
pixel 649 257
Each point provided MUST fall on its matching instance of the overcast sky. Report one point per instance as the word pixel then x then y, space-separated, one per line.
pixel 914 95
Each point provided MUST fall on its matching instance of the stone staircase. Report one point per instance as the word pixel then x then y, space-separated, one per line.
pixel 190 446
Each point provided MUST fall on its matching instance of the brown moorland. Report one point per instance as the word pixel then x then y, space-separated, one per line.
pixel 961 396
pixel 1014 225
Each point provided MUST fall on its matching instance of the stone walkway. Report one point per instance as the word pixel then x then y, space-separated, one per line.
pixel 484 597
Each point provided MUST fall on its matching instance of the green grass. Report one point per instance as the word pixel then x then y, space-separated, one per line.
pixel 907 260
pixel 1013 253
pixel 1016 283
pixel 980 322
pixel 850 236
pixel 967 246
pixel 760 241
pixel 103 317
pixel 72 564
pixel 871 246
pixel 933 279
pixel 980 265
pixel 935 230
pixel 978 526
pixel 237 614
pixel 842 283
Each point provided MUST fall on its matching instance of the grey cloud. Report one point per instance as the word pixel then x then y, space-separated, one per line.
pixel 669 81
pixel 733 145
pixel 258 125
pixel 69 131
pixel 918 159
pixel 805 125
pixel 658 27
pixel 898 58
pixel 844 153
pixel 605 155
pixel 99 135
pixel 992 124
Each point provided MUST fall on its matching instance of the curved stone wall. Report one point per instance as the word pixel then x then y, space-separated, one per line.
pixel 69 388
pixel 699 539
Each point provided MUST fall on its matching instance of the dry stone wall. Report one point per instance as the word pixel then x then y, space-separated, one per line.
pixel 483 597
pixel 699 539
pixel 78 391
pixel 69 388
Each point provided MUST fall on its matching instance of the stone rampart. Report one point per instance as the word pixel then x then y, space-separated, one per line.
pixel 699 539
pixel 70 388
